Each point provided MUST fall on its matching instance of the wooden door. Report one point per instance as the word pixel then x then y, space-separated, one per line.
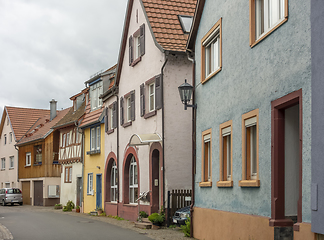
pixel 26 192
pixel 38 193
pixel 155 181
pixel 79 190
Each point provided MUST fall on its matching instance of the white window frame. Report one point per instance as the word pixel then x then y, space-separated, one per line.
pixel 96 90
pixel 268 14
pixel 67 139
pixel 207 140
pixel 95 138
pixel 226 136
pixel 98 137
pixel 28 159
pixel 68 174
pixel 212 53
pixel 63 139
pixel 3 163
pixel 151 96
pixel 113 183
pixel 137 45
pixel 90 184
pixel 133 181
pixel 11 162
pixel 111 111
pixel 128 109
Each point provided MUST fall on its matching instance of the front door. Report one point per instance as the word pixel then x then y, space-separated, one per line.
pixel 98 190
pixel 155 181
pixel 38 193
pixel 26 192
pixel 78 196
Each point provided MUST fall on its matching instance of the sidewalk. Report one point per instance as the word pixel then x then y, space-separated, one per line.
pixel 4 233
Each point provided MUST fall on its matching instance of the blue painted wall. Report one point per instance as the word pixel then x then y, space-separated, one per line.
pixel 250 79
pixel 317 20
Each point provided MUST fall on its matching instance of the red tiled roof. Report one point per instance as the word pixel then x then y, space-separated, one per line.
pixel 42 128
pixel 163 17
pixel 91 116
pixel 22 119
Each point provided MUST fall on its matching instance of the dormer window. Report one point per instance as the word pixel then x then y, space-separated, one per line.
pixel 137 46
pixel 186 22
pixel 96 90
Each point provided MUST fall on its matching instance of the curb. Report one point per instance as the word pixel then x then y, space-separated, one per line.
pixel 5 234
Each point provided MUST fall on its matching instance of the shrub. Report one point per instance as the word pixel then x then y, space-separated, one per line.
pixel 143 214
pixel 69 206
pixel 186 228
pixel 156 218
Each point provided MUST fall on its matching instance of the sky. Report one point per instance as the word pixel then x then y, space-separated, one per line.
pixel 49 48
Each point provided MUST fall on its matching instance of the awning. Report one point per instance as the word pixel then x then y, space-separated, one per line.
pixel 144 139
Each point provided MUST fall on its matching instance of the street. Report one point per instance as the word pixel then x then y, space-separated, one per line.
pixel 27 222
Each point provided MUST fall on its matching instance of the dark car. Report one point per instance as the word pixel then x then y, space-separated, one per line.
pixel 10 195
pixel 181 215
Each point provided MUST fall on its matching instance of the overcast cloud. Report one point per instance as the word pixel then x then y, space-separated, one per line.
pixel 49 48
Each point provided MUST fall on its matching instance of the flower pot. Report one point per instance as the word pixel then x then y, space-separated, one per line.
pixel 77 210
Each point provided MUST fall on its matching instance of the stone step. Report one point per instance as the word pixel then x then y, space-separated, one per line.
pixel 146 220
pixel 143 225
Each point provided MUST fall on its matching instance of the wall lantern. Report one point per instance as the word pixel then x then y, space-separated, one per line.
pixel 185 91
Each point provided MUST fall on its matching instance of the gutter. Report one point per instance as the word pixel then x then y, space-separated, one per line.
pixel 165 62
pixel 193 166
pixel 17 162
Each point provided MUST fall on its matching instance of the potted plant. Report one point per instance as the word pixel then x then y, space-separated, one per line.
pixel 99 210
pixel 77 208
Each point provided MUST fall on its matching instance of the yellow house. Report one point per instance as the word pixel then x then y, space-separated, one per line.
pixel 93 147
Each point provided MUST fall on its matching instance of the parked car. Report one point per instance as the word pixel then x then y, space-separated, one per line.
pixel 11 195
pixel 181 215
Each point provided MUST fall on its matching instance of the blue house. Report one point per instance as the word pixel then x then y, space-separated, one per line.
pixel 253 126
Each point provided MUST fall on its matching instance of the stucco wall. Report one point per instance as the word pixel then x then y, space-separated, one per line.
pixel 250 79
pixel 8 175
pixel 317 19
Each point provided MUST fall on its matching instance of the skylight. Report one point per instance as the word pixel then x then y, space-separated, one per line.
pixel 186 22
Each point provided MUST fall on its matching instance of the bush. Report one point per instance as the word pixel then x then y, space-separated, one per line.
pixel 186 228
pixel 143 214
pixel 69 206
pixel 58 206
pixel 156 218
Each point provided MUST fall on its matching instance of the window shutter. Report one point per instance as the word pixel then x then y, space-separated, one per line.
pixel 142 99
pixel 132 98
pixel 114 115
pixel 158 92
pixel 142 39
pixel 121 111
pixel 106 119
pixel 130 50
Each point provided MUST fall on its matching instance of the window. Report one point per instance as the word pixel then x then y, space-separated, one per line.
pixel 136 46
pixel 5 139
pixel 133 181
pixel 68 175
pixel 3 163
pixel 38 154
pixel 68 139
pixel 11 162
pixel 112 115
pixel 153 92
pixel 63 140
pixel 10 137
pixel 211 52
pixel 28 159
pixel 90 184
pixel 95 138
pixel 250 139
pixel 113 183
pixel 266 16
pixel 225 155
pixel 95 91
pixel 111 118
pixel 206 180
pixel 130 109
pixel 186 22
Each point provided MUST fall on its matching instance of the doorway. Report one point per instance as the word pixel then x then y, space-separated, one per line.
pixel 38 193
pixel 99 191
pixel 79 190
pixel 26 192
pixel 286 160
pixel 155 180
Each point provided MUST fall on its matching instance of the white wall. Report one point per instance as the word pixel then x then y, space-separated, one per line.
pixel 68 191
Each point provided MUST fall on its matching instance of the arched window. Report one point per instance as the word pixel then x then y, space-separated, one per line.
pixel 133 181
pixel 113 183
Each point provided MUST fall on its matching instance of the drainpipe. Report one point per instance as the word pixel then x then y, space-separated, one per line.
pixel 82 160
pixel 118 182
pixel 193 166
pixel 17 163
pixel 165 62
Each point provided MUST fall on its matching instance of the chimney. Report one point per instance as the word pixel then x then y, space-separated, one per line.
pixel 53 109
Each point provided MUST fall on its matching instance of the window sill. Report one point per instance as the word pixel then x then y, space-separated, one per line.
pixel 268 33
pixel 249 183
pixel 110 131
pixel 90 194
pixel 56 162
pixel 150 114
pixel 3 169
pixel 224 184
pixel 11 168
pixel 93 152
pixel 205 184
pixel 131 204
pixel 27 165
pixel 136 61
pixel 211 75
pixel 37 164
pixel 127 124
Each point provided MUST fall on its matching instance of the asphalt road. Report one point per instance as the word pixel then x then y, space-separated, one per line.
pixel 25 223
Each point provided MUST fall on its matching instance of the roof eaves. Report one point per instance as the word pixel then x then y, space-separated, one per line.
pixel 195 25
pixel 65 124
pixel 3 119
pixel 109 93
